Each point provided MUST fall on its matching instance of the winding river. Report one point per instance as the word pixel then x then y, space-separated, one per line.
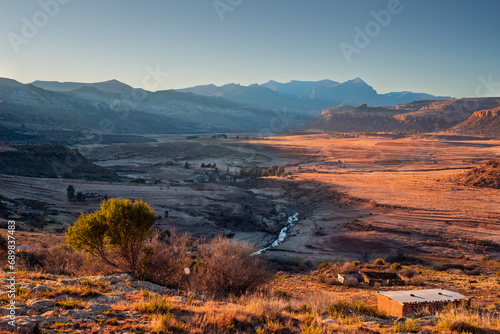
pixel 292 220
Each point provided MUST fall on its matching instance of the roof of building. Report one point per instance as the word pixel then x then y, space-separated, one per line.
pixel 423 296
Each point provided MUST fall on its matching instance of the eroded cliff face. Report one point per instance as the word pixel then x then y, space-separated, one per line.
pixel 486 122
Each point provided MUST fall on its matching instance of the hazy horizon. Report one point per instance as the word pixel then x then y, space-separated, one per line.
pixel 445 48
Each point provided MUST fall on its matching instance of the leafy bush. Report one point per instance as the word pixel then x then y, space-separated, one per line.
pixel 396 266
pixel 417 280
pixel 114 232
pixel 409 326
pixel 159 305
pixel 349 268
pixel 324 265
pixel 70 303
pixel 229 268
pixel 379 262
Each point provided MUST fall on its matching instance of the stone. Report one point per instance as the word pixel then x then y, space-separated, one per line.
pixel 97 309
pixel 76 314
pixel 371 323
pixel 411 316
pixel 150 286
pixel 41 305
pixel 62 297
pixel 27 286
pixel 400 320
pixel 68 281
pixel 366 318
pixel 329 321
pixel 109 299
pixel 21 309
pixel 23 325
pixel 122 288
pixel 41 289
pixel 126 278
pixel 427 321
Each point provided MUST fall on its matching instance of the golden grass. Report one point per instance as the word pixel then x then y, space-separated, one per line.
pixel 461 319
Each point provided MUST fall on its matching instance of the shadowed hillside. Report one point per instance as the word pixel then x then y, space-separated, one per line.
pixel 486 175
pixel 50 161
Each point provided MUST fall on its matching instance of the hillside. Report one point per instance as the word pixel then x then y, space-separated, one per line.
pixel 50 161
pixel 360 119
pixel 485 122
pixel 420 116
pixel 484 176
pixel 115 108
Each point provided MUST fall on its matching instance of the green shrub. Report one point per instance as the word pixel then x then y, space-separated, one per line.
pixel 158 305
pixel 114 232
pixel 324 265
pixel 396 266
pixel 409 326
pixel 70 303
pixel 379 262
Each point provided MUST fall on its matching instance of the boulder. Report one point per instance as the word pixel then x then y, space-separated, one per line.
pixel 22 325
pixel 41 289
pixel 329 321
pixel 41 305
pixel 126 278
pixel 97 309
pixel 150 286
pixel 68 281
pixel 27 286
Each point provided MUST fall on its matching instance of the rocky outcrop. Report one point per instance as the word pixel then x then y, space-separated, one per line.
pixel 66 301
pixel 486 122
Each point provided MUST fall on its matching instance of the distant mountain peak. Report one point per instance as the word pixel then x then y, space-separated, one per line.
pixel 356 80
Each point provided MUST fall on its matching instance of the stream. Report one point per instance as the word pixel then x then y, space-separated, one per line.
pixel 292 220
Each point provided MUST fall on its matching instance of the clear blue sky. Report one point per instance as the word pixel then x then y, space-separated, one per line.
pixel 439 47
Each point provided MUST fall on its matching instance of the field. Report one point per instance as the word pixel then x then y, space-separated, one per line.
pixel 358 198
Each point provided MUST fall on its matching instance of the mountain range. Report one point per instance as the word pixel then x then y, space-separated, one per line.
pixel 70 111
pixel 309 95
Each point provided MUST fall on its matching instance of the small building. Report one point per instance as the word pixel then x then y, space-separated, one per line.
pixel 402 303
pixel 382 278
pixel 342 277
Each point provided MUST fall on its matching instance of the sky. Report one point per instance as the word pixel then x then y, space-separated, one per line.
pixel 445 47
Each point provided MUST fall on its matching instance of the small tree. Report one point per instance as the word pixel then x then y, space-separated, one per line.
pixel 71 192
pixel 186 165
pixel 280 171
pixel 116 231
pixel 80 197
